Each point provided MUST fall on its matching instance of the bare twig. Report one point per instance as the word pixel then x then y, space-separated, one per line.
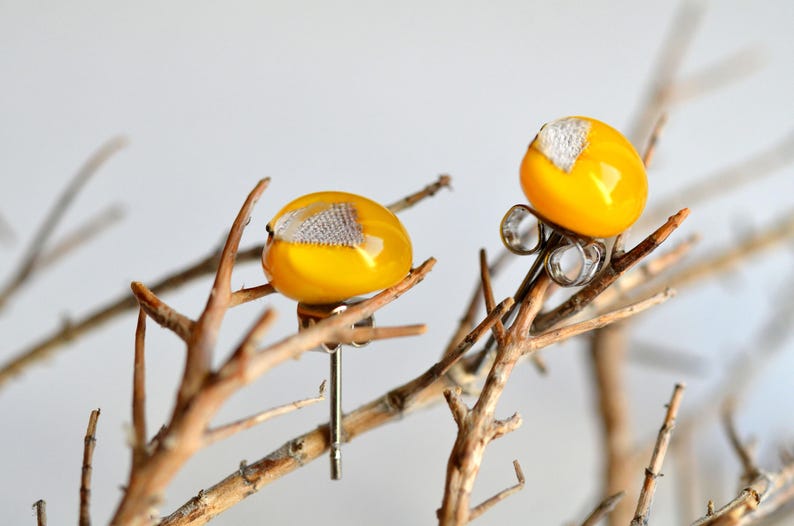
pixel 502 495
pixel 7 236
pixel 31 258
pixel 139 392
pixel 654 469
pixel 478 426
pixel 250 294
pixel 721 261
pixel 85 477
pixel 162 313
pixel 81 235
pixel 490 303
pixel 750 469
pixel 430 190
pixel 205 333
pixel 367 334
pixel 765 495
pixel 607 358
pixel 104 313
pixel 731 68
pixel 731 178
pixel 41 512
pixel 227 430
pixel 674 48
pixel 603 509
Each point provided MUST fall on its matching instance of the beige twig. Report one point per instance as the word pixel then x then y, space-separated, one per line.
pixel 654 469
pixel 7 236
pixel 478 426
pixel 551 336
pixel 104 313
pixel 603 509
pixel 205 333
pixel 85 477
pixel 731 178
pixel 766 495
pixel 430 190
pixel 490 302
pixel 750 469
pixel 250 294
pixel 227 430
pixel 731 68
pixel 139 433
pixel 367 334
pixel 161 313
pixel 608 364
pixel 27 265
pixel 81 235
pixel 41 512
pixel 722 261
pixel 502 495
pixel 659 91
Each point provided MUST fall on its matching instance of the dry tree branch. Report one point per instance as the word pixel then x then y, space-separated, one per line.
pixel 30 260
pixel 7 236
pixel 674 48
pixel 227 430
pixel 161 313
pixel 203 390
pixel 85 476
pixel 430 190
pixel 764 496
pixel 741 64
pixel 71 241
pixel 477 426
pixel 654 469
pixel 750 469
pixel 730 178
pixel 603 509
pixel 422 390
pixel 502 495
pixel 125 303
pixel 139 392
pixel 41 512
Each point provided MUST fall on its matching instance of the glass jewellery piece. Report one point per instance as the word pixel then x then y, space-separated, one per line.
pixel 586 182
pixel 323 250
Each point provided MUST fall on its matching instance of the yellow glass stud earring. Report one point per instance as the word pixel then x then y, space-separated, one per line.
pixel 323 250
pixel 586 182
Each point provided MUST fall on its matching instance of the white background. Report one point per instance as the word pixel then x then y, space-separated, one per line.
pixel 376 98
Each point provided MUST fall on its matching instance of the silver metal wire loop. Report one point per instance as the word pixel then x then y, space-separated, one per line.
pixel 553 245
pixel 514 238
pixel 590 258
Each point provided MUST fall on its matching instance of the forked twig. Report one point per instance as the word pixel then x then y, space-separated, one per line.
pixel 502 495
pixel 30 260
